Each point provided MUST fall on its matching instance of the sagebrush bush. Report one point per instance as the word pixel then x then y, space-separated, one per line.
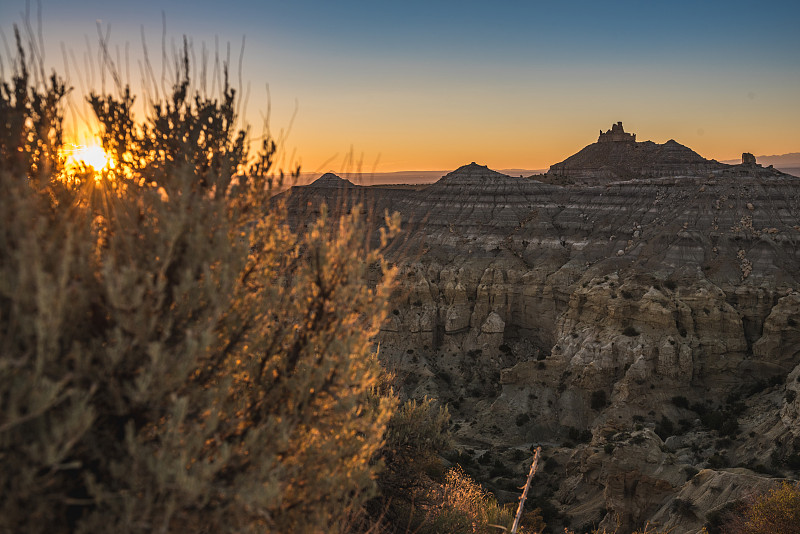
pixel 416 437
pixel 777 510
pixel 174 357
pixel 468 508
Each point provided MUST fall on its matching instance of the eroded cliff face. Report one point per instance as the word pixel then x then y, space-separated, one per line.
pixel 645 332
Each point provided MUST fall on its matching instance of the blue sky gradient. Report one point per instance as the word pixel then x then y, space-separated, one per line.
pixel 433 85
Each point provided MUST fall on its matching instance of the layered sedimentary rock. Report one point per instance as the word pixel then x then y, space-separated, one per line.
pixel 642 329
pixel 617 156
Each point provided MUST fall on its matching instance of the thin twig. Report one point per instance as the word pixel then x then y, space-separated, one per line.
pixel 524 496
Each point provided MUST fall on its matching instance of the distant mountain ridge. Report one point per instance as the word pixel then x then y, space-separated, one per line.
pixel 791 159
pixel 404 177
pixel 788 163
pixel 673 151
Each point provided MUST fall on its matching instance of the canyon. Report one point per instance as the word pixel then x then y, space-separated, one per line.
pixel 634 311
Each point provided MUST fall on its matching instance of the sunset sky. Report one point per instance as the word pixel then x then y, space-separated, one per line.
pixel 434 85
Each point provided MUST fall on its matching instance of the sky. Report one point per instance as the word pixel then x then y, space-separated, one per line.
pixel 431 85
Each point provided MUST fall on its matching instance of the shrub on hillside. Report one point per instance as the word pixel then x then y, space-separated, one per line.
pixel 630 331
pixel 778 510
pixel 416 437
pixel 680 401
pixel 175 357
pixel 598 400
pixel 466 508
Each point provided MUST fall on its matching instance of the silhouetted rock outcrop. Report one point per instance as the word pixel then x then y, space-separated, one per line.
pixel 616 156
pixel 330 180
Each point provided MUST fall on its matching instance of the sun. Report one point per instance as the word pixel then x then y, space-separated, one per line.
pixel 89 156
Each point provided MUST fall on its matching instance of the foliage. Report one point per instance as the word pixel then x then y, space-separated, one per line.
pixel 775 511
pixel 680 401
pixel 467 508
pixel 599 399
pixel 665 428
pixel 647 529
pixel 457 505
pixel 630 331
pixel 174 356
pixel 416 436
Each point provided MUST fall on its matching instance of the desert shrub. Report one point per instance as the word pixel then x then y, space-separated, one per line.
pixel 723 443
pixel 680 401
pixel 730 427
pixel 761 468
pixel 416 436
pixel 499 469
pixel 518 455
pixel 175 357
pixel 722 421
pixel 718 461
pixel 761 385
pixel 580 436
pixel 598 400
pixel 522 419
pixel 647 529
pixel 778 510
pixel 465 507
pixel 793 461
pixel 630 331
pixel 721 520
pixel 461 458
pixel 683 507
pixel 784 461
pixel 665 428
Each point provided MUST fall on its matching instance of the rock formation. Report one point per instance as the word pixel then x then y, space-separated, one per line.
pixel 615 135
pixel 642 327
pixel 617 156
pixel 331 181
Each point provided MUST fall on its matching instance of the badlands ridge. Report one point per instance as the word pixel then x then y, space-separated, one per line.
pixel 634 311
